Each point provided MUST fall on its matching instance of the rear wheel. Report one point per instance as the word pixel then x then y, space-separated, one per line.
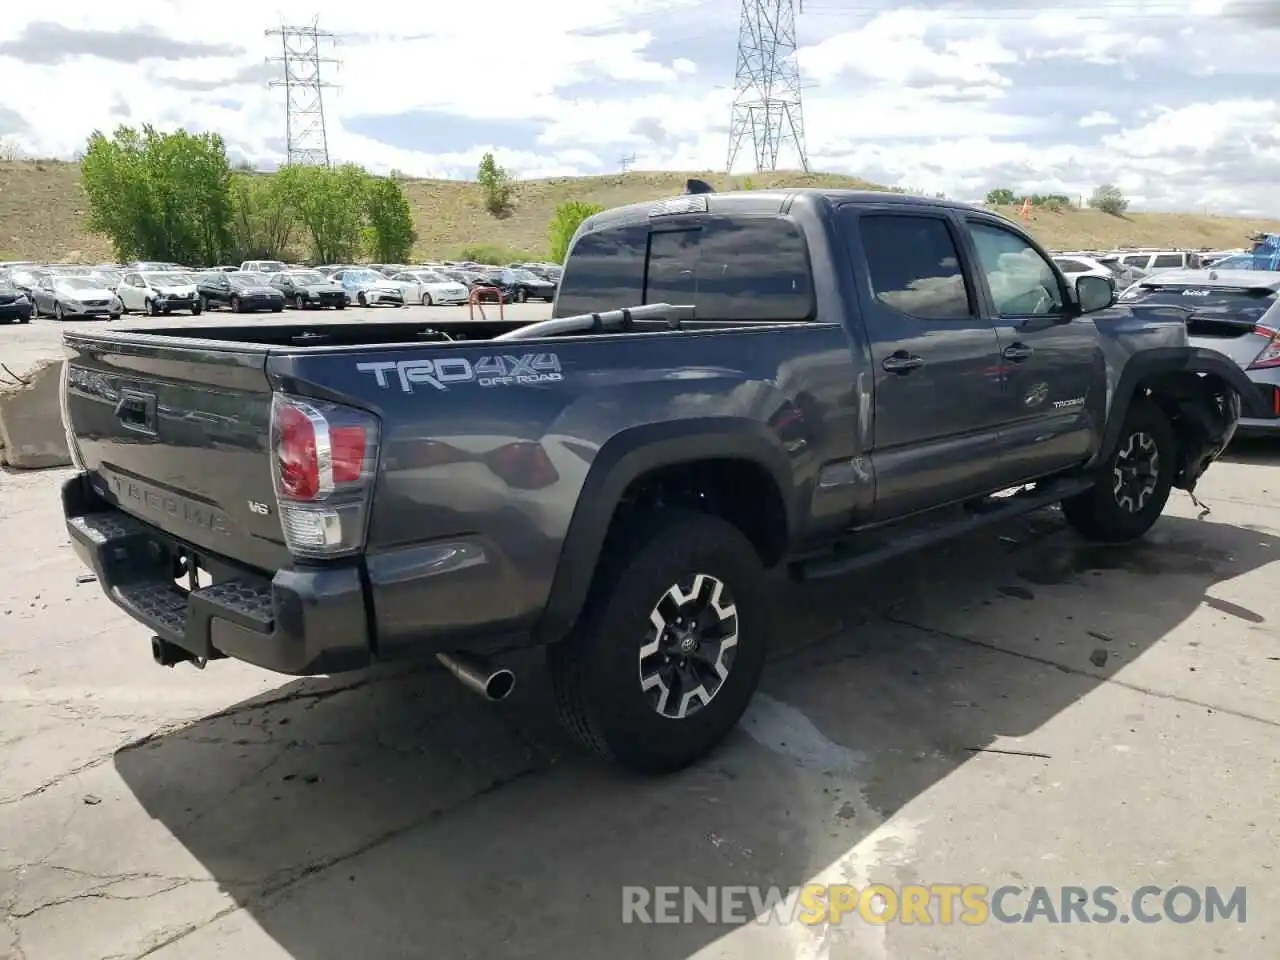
pixel 670 644
pixel 1133 487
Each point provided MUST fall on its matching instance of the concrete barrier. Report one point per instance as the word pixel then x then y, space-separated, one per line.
pixel 31 420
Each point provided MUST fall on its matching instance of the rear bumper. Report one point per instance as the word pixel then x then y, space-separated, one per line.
pixel 298 621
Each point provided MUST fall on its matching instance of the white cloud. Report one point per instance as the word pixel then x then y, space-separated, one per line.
pixel 954 101
pixel 1099 118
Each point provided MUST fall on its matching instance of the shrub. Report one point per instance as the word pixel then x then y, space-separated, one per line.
pixel 1109 199
pixel 564 224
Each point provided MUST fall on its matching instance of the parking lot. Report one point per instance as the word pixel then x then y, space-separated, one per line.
pixel 22 345
pixel 1012 708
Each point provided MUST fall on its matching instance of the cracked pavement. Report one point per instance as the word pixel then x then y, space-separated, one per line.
pixel 1015 707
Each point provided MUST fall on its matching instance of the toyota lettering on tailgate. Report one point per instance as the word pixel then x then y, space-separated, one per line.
pixel 491 371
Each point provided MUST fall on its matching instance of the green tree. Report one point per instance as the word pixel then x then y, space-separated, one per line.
pixel 1109 199
pixel 1001 197
pixel 329 205
pixel 159 196
pixel 564 224
pixel 495 182
pixel 262 221
pixel 390 232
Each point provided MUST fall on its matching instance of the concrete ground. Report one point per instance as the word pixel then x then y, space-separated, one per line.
pixel 1013 708
pixel 23 345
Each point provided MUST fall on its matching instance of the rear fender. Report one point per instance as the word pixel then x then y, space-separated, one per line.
pixel 628 456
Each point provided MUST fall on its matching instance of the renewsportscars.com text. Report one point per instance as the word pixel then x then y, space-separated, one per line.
pixel 939 903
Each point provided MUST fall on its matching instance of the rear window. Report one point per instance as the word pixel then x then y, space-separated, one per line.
pixel 1238 304
pixel 728 268
pixel 1167 260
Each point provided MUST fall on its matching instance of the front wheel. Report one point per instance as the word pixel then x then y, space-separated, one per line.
pixel 1134 484
pixel 235 304
pixel 57 312
pixel 298 302
pixel 196 310
pixel 426 300
pixel 521 296
pixel 670 645
pixel 362 299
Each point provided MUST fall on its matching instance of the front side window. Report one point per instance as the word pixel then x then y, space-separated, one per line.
pixel 1021 281
pixel 914 266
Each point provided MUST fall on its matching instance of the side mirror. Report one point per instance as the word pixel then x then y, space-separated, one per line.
pixel 1094 293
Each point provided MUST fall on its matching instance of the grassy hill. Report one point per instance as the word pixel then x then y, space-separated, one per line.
pixel 42 212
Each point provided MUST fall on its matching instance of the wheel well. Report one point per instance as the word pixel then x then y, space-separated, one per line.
pixel 1185 399
pixel 737 490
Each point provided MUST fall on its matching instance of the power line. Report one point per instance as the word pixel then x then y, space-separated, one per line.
pixel 766 85
pixel 306 136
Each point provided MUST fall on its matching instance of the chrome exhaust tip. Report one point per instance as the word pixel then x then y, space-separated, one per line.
pixel 478 675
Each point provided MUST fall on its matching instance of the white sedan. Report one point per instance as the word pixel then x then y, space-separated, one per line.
pixel 427 288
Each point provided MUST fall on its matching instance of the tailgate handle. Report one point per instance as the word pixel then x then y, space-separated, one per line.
pixel 136 411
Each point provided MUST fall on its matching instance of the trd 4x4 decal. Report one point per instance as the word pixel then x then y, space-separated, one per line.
pixel 490 371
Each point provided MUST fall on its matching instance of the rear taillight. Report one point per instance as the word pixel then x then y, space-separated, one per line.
pixel 323 458
pixel 1270 355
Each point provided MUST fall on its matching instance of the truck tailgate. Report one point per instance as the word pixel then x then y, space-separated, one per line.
pixel 178 436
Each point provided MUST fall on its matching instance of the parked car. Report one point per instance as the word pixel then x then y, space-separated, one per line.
pixel 368 287
pixel 262 266
pixel 1074 266
pixel 15 305
pixel 427 287
pixel 521 285
pixel 63 297
pixel 309 288
pixel 1233 311
pixel 250 292
pixel 565 484
pixel 158 292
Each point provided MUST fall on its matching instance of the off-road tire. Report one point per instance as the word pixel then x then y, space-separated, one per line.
pixel 1097 513
pixel 595 671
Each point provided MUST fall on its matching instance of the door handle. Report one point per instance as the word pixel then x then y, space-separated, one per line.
pixel 901 362
pixel 1016 352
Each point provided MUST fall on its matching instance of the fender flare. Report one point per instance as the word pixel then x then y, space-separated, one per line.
pixel 623 458
pixel 1165 360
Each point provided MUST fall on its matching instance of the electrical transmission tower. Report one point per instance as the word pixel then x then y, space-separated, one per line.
pixel 626 162
pixel 305 135
pixel 766 85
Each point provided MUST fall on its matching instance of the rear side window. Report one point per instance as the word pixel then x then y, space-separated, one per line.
pixel 914 266
pixel 1167 260
pixel 604 271
pixel 1072 266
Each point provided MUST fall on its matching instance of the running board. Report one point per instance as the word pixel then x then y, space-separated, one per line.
pixel 880 544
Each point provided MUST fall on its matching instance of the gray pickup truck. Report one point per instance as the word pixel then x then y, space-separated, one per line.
pixel 800 379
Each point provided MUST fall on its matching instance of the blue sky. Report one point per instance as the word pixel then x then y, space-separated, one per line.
pixel 1174 100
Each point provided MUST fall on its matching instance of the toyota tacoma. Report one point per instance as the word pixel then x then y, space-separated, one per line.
pixel 807 380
